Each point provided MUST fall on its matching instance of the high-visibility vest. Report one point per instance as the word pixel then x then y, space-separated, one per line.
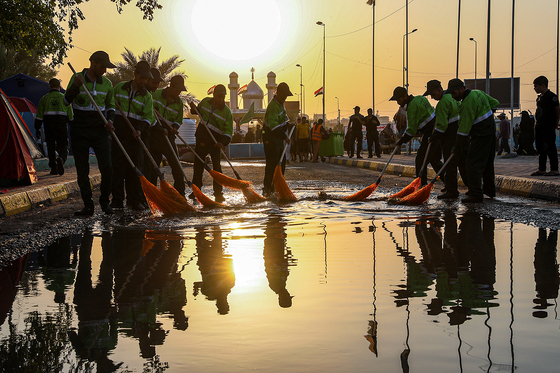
pixel 317 132
pixel 137 106
pixel 172 111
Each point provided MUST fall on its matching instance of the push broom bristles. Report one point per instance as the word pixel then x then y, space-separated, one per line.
pixel 416 198
pixel 175 195
pixel 202 198
pixel 282 189
pixel 251 196
pixel 410 188
pixel 362 194
pixel 159 201
pixel 227 181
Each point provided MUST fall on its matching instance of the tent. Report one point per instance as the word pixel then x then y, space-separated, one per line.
pixel 21 85
pixel 17 148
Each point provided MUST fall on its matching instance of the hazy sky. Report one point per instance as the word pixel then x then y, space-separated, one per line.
pixel 216 37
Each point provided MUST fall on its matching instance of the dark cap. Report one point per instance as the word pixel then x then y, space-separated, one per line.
pixel 178 82
pixel 432 84
pixel 54 83
pixel 220 89
pixel 398 93
pixel 454 84
pixel 283 89
pixel 143 68
pixel 102 58
pixel 156 74
pixel 501 115
pixel 356 107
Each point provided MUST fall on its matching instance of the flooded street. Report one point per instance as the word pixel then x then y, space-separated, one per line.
pixel 318 285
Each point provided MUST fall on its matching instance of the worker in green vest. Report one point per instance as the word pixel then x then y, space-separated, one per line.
pixel 217 118
pixel 476 136
pixel 445 133
pixel 53 114
pixel 168 104
pixel 138 106
pixel 275 135
pixel 421 118
pixel 88 130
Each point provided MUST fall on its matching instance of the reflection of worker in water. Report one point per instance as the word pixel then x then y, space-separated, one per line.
pixel 215 268
pixel 277 259
pixel 58 267
pixel 547 277
pixel 97 325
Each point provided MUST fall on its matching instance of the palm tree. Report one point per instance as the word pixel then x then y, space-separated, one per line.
pixel 167 68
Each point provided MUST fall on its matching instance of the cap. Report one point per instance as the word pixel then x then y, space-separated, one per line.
pixel 156 74
pixel 143 68
pixel 178 82
pixel 220 89
pixel 356 107
pixel 454 84
pixel 54 83
pixel 501 115
pixel 284 89
pixel 398 93
pixel 432 84
pixel 102 58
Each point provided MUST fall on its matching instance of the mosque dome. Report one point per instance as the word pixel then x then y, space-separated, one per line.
pixel 253 91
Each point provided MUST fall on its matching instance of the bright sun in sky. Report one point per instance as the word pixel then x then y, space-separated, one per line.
pixel 236 30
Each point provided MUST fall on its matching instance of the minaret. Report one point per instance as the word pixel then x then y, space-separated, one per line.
pixel 271 85
pixel 233 87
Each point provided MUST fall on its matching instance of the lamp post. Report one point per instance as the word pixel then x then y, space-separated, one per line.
pixel 301 87
pixel 405 59
pixel 324 34
pixel 338 107
pixel 475 59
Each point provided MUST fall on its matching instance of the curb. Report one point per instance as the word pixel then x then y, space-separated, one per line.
pixel 20 202
pixel 504 184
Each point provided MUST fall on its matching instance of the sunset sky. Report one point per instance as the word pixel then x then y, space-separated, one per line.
pixel 216 37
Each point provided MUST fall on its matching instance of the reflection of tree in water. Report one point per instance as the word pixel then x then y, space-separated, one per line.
pixel 277 259
pixel 547 278
pixel 216 269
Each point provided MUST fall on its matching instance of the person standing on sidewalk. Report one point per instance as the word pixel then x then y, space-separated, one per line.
pixel 371 134
pixel 355 124
pixel 548 117
pixel 504 134
pixel 303 139
pixel 476 121
pixel 421 118
pixel 89 130
pixel 53 114
pixel 444 135
pixel 317 133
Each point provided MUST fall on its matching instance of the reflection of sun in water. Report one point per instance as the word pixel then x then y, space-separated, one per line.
pixel 236 29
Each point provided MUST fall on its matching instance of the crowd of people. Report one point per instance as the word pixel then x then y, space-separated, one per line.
pixel 459 131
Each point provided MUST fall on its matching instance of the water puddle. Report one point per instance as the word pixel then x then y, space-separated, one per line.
pixel 314 286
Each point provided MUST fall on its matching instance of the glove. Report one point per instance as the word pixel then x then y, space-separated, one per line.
pixel 436 136
pixel 401 141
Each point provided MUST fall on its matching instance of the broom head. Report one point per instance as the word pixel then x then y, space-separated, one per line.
pixel 410 188
pixel 227 181
pixel 362 194
pixel 418 197
pixel 251 196
pixel 282 189
pixel 203 198
pixel 158 201
pixel 174 194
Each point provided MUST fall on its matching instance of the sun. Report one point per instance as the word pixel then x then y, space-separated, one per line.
pixel 236 30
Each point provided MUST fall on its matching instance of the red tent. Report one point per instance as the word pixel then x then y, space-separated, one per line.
pixel 17 148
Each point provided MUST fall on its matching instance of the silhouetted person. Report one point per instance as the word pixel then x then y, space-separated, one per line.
pixel 277 259
pixel 547 278
pixel 526 135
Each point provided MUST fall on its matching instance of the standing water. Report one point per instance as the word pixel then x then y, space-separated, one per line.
pixel 316 286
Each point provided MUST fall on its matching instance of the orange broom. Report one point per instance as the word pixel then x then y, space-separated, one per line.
pixel 201 197
pixel 248 192
pixel 415 184
pixel 156 199
pixel 164 185
pixel 364 193
pixel 423 194
pixel 282 189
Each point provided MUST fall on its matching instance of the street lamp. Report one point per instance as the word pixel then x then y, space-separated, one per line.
pixel 301 87
pixel 324 34
pixel 475 59
pixel 405 64
pixel 338 107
